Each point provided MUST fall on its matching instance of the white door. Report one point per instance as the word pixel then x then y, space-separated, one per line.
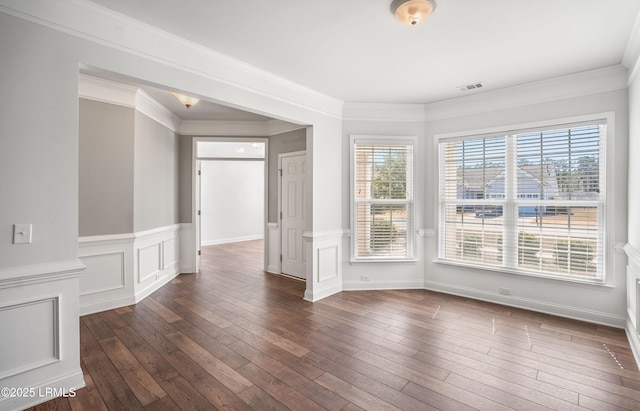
pixel 293 186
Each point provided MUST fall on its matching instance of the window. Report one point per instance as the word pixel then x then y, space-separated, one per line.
pixel 382 199
pixel 530 201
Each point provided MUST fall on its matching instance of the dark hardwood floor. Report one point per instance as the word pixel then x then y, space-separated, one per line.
pixel 234 337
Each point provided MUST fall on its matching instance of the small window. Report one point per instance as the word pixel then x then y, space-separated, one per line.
pixel 382 199
pixel 530 201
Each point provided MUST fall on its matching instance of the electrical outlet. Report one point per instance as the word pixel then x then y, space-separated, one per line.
pixel 504 291
pixel 364 277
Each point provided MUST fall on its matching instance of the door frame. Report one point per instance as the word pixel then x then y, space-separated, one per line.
pixel 280 157
pixel 195 189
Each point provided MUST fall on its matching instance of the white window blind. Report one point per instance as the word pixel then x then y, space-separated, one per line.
pixel 382 200
pixel 530 201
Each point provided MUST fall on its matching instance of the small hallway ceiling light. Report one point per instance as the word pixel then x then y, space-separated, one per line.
pixel 186 100
pixel 412 12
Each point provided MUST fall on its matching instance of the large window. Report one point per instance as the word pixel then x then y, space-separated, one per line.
pixel 382 198
pixel 530 201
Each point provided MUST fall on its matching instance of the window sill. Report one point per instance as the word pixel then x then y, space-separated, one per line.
pixel 524 273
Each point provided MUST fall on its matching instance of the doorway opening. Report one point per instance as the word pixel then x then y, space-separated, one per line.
pixel 230 191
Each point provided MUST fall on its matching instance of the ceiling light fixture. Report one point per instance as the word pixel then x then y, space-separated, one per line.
pixel 412 12
pixel 186 100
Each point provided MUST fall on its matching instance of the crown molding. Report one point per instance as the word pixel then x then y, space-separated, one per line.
pixel 111 92
pixel 558 88
pixel 146 105
pixel 386 112
pixel 105 91
pixel 275 127
pixel 101 25
pixel 226 128
pixel 631 57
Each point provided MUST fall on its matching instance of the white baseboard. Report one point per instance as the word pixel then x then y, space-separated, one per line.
pixel 314 295
pixel 231 240
pixel 634 341
pixel 382 285
pixel 92 308
pixel 43 392
pixel 144 293
pixel 581 314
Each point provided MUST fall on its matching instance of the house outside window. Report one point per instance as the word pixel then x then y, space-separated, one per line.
pixel 382 198
pixel 530 201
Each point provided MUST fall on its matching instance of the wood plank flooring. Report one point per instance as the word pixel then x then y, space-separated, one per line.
pixel 234 337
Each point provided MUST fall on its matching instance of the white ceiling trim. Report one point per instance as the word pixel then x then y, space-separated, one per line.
pixel 275 127
pixel 105 91
pixel 101 25
pixel 559 88
pixel 383 112
pixel 224 128
pixel 156 111
pixel 631 58
pixel 111 92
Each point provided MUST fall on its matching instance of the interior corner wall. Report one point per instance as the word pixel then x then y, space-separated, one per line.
pixel 587 302
pixel 155 175
pixel 278 144
pixel 105 194
pixel 385 275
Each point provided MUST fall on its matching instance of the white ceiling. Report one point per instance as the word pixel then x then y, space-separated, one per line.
pixel 356 51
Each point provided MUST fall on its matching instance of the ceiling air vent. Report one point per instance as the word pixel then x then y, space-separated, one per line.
pixel 472 86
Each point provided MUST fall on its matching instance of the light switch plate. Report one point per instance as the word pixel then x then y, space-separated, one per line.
pixel 22 233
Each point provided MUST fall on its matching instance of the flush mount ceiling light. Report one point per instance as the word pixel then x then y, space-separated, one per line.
pixel 186 100
pixel 412 12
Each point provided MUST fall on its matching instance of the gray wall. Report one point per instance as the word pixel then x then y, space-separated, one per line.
pixel 282 143
pixel 185 148
pixel 128 171
pixel 155 175
pixel 105 193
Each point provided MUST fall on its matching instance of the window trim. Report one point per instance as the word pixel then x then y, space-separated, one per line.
pixel 411 216
pixel 607 118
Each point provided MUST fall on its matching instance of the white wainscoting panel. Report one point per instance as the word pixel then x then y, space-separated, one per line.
pixel 633 299
pixel 122 269
pixel 273 248
pixel 324 269
pixel 327 263
pixel 187 247
pixel 107 282
pixel 155 253
pixel 170 254
pixel 92 282
pixel 32 344
pixel 40 337
pixel 149 262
